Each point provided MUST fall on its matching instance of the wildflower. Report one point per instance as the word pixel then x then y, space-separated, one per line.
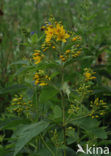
pixel 89 74
pixel 61 33
pixel 73 109
pixel 45 49
pixel 33 32
pixel 97 108
pixel 41 79
pixel 76 54
pixel 43 45
pixel 76 38
pixel 53 47
pixel 49 33
pixel 67 51
pixel 62 58
pixel 37 79
pixel 43 84
pixel 47 77
pixel 15 99
pixel 19 106
pixel 37 56
pixel 101 113
pixel 37 51
pixel 43 28
pixel 96 116
pixel 37 59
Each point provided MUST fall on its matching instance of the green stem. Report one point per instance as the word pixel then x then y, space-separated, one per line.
pixel 63 109
pixel 50 150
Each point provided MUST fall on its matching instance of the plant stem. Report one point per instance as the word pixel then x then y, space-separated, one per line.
pixel 63 108
pixel 50 150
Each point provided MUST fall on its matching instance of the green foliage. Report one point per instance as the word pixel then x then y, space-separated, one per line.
pixel 27 132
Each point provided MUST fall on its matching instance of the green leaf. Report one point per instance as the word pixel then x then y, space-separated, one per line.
pixel 9 124
pixel 27 133
pixel 13 88
pixel 57 112
pixel 34 38
pixel 3 151
pixel 54 74
pixel 23 70
pixel 47 93
pixel 102 89
pixel 21 62
pixel 86 123
pixel 41 152
pixel 91 128
pixel 99 133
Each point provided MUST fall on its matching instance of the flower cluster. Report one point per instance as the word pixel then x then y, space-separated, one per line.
pixel 89 74
pixel 70 53
pixel 76 38
pixel 19 106
pixel 84 89
pixel 54 34
pixel 98 108
pixel 73 109
pixel 41 78
pixel 37 56
pixel 57 32
pixel 45 46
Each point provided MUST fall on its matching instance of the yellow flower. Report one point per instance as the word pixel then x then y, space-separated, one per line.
pixel 74 38
pixel 89 75
pixel 47 77
pixel 15 99
pixel 61 33
pixel 76 54
pixel 68 51
pixel 43 84
pixel 43 28
pixel 37 51
pixel 45 49
pixel 49 33
pixel 37 57
pixel 53 47
pixel 41 79
pixel 62 58
pixel 101 113
pixel 41 72
pixel 36 76
pixel 37 82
